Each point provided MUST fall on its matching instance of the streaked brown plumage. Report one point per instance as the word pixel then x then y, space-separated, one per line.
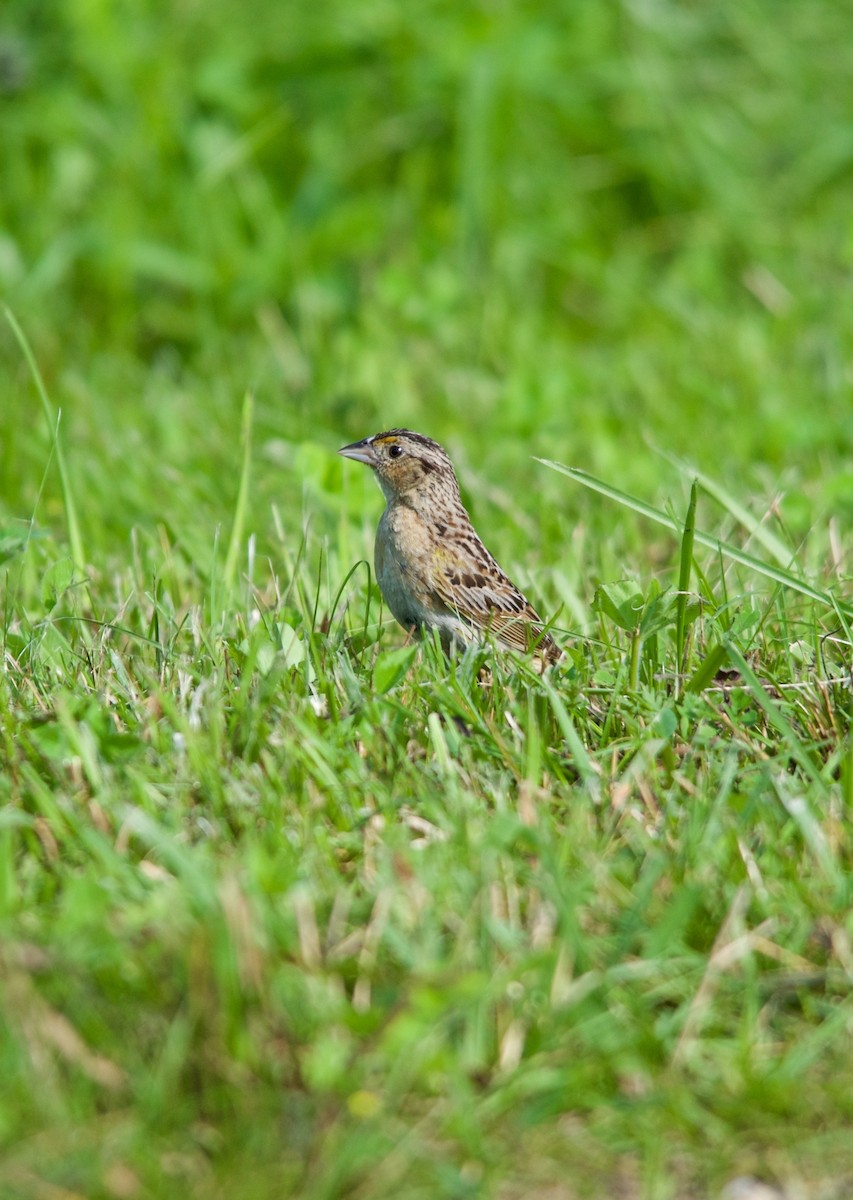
pixel 431 566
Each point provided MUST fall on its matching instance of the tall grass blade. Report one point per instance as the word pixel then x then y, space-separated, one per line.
pixel 75 538
pixel 239 526
pixel 773 545
pixel 785 578
pixel 587 769
pixel 687 539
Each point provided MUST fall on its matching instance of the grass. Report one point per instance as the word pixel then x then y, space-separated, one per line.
pixel 288 907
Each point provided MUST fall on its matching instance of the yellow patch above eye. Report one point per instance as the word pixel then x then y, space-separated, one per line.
pixel 386 441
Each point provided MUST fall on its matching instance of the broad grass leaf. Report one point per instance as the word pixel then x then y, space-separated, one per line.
pixel 391 666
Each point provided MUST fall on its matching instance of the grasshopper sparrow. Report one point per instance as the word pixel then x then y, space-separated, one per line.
pixel 431 566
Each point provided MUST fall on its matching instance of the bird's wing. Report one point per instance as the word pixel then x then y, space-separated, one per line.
pixel 491 602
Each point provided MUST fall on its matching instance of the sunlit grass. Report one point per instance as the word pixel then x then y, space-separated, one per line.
pixel 287 905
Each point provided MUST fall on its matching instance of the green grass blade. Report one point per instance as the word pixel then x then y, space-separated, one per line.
pixel 75 537
pixel 773 545
pixel 238 528
pixel 684 577
pixel 774 715
pixel 587 769
pixel 706 670
pixel 785 578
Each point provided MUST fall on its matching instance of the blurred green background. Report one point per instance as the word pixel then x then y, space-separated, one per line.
pixel 580 230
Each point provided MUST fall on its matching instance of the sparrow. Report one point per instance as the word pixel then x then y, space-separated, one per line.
pixel 432 568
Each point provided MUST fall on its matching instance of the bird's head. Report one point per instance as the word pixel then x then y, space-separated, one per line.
pixel 404 463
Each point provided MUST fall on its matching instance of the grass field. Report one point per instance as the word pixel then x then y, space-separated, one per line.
pixel 291 908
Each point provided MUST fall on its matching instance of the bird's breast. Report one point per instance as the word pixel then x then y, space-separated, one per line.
pixel 403 559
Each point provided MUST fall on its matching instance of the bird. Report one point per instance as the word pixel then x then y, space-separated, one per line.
pixel 432 568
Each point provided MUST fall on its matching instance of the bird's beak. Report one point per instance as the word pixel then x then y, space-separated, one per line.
pixel 361 452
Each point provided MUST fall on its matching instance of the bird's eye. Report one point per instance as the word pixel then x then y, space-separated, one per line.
pixel 395 451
